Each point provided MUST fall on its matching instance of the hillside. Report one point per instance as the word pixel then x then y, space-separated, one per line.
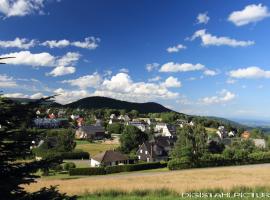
pixel 105 102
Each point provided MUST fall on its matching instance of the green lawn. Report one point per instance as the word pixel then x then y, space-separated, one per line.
pixel 94 148
pixel 210 131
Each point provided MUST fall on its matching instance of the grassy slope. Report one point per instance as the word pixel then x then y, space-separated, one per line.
pixel 94 148
pixel 179 181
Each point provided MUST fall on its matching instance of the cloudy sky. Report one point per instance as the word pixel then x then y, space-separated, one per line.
pixel 197 57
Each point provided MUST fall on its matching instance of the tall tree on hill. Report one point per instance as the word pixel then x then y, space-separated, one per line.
pixel 15 143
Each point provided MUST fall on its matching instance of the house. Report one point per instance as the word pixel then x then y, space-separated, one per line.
pixel 222 132
pixel 165 129
pixel 74 117
pixel 112 116
pixel 80 121
pixel 61 113
pixel 181 122
pixel 114 120
pixel 156 150
pixel 90 132
pixel 124 118
pixel 109 158
pixel 245 135
pixel 260 143
pixel 52 116
pixel 140 125
pixel 50 123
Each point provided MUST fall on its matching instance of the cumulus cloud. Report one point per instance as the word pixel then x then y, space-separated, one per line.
pixel 63 65
pixel 68 96
pixel 124 70
pixel 176 48
pixel 203 18
pixel 209 72
pixel 11 8
pixel 223 97
pixel 21 95
pixel 211 40
pixel 21 43
pixel 154 79
pixel 88 81
pixel 172 82
pixel 250 72
pixel 177 67
pixel 120 86
pixel 152 66
pixel 250 14
pixel 88 43
pixel 7 82
pixel 61 71
pixel 43 59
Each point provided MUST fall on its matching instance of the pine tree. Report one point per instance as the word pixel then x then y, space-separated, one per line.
pixel 15 142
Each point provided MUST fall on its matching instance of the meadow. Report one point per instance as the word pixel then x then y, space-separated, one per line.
pixel 224 178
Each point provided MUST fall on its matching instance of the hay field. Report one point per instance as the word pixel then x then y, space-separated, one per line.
pixel 179 181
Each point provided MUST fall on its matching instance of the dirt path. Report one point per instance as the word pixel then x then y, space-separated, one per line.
pixel 182 180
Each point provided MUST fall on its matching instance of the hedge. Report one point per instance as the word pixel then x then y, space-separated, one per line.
pixel 214 160
pixel 75 155
pixel 116 169
pixel 87 171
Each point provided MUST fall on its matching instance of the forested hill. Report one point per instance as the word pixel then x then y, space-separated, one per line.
pixel 105 102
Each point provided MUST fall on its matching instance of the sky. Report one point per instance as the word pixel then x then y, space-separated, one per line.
pixel 198 57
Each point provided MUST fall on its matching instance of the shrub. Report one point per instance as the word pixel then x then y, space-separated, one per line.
pixel 69 165
pixel 87 171
pixel 182 163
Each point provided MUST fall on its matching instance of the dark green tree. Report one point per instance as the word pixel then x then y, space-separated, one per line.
pixel 15 143
pixel 131 138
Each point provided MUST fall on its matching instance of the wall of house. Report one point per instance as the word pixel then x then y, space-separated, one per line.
pixel 94 163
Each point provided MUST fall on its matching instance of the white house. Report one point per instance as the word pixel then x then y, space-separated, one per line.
pixel 165 129
pixel 140 125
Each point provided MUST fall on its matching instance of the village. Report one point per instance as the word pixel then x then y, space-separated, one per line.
pixel 156 147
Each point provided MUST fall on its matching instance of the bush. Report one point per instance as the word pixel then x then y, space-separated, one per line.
pixel 75 155
pixel 87 171
pixel 182 163
pixel 69 165
pixel 58 168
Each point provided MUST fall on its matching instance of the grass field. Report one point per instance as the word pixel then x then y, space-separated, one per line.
pixel 94 148
pixel 178 181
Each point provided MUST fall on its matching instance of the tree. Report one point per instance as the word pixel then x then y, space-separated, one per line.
pixel 190 145
pixel 131 138
pixel 15 143
pixel 257 133
pixel 115 128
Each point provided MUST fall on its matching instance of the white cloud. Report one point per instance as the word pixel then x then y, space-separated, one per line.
pixel 119 86
pixel 56 44
pixel 250 14
pixel 211 40
pixel 250 72
pixel 172 82
pixel 223 97
pixel 154 79
pixel 68 59
pixel 124 70
pixel 177 67
pixel 88 43
pixel 43 59
pixel 7 82
pixel 176 48
pixel 231 81
pixel 88 81
pixel 209 72
pixel 21 95
pixel 10 8
pixel 203 18
pixel 152 66
pixel 21 43
pixel 68 96
pixel 61 71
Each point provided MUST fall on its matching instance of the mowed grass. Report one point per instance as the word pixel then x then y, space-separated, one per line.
pixel 94 148
pixel 178 181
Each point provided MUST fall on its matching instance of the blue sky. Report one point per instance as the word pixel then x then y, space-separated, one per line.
pixel 197 57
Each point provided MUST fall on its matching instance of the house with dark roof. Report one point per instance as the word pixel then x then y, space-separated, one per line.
pixel 165 129
pixel 156 149
pixel 93 132
pixel 109 158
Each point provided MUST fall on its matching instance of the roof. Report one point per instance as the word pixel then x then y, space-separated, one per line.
pixel 91 128
pixel 110 156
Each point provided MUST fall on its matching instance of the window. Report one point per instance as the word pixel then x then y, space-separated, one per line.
pixel 146 152
pixel 141 151
pixel 139 157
